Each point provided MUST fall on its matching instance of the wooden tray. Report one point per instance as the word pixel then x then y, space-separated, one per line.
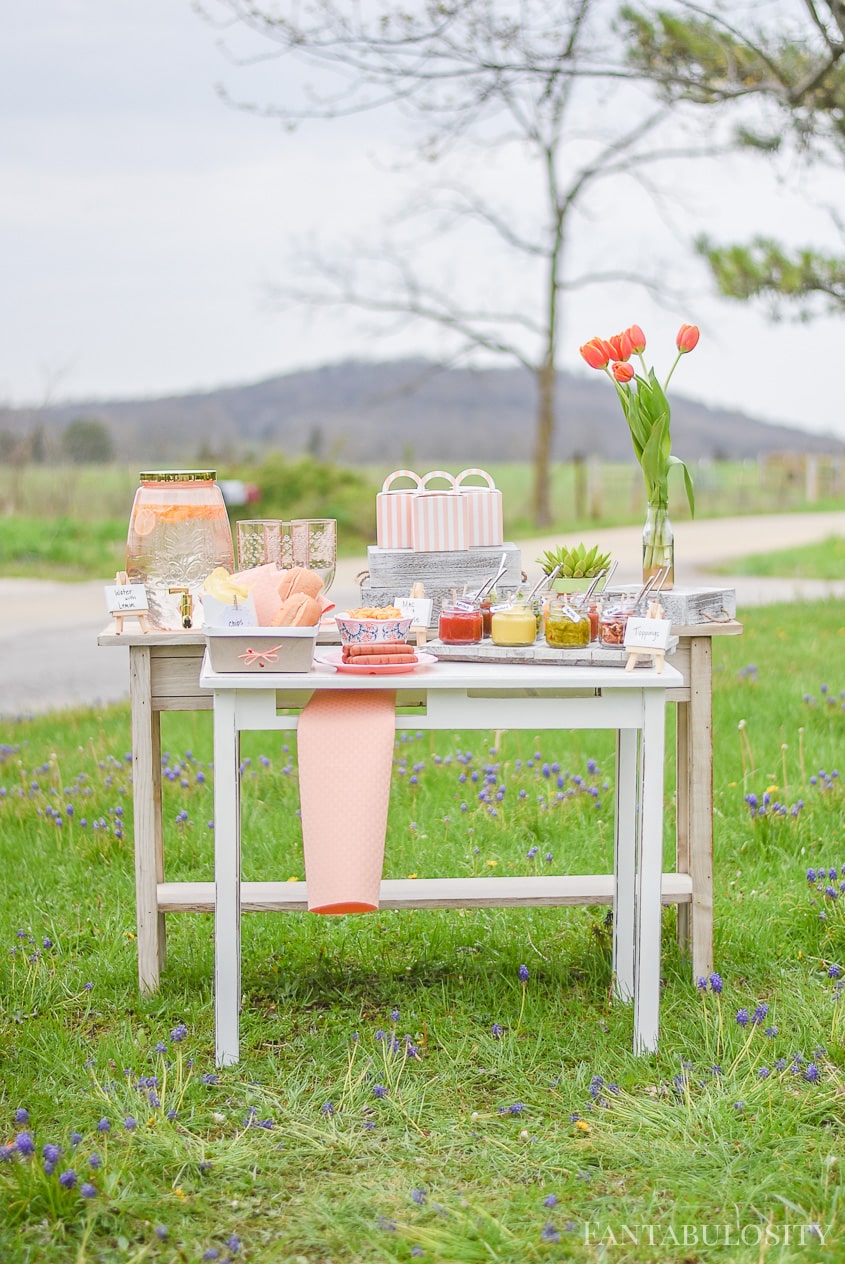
pixel 588 656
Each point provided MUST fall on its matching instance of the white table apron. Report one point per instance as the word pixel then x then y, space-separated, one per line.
pixel 455 696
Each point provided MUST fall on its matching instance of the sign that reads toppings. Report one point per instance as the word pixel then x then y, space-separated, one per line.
pixel 647 634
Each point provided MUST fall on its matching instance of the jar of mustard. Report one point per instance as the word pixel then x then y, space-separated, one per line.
pixel 514 625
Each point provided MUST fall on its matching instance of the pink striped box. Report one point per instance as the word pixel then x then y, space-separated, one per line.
pixel 438 517
pixel 394 516
pixel 482 509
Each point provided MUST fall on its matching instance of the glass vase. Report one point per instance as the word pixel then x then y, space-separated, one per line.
pixel 658 544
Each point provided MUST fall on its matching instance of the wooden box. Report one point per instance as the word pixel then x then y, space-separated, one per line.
pixel 392 572
pixel 255 650
pixel 688 606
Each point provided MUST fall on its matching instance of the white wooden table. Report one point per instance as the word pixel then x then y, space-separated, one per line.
pixel 455 696
pixel 164 670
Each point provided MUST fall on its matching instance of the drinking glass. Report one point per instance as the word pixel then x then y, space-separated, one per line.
pixel 262 540
pixel 315 546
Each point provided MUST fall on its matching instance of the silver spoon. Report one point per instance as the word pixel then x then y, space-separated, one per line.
pixel 490 584
pixel 541 583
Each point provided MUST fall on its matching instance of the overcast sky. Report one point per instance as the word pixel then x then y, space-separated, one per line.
pixel 142 221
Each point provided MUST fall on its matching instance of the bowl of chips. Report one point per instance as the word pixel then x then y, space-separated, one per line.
pixel 373 625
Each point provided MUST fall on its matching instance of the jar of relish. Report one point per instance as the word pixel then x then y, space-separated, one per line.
pixel 460 625
pixel 567 626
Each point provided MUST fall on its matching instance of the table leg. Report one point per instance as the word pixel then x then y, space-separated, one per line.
pixel 649 876
pixel 700 765
pixel 683 777
pixel 227 885
pixel 146 799
pixel 624 863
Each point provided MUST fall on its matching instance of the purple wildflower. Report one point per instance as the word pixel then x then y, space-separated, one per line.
pixel 68 1178
pixel 51 1153
pixel 87 1190
pixel 811 1074
pixel 24 1143
pixel 716 983
pixel 742 1017
pixel 95 1161
pixel 419 1196
pixel 549 1233
pixel 21 1115
pixel 103 1125
pixel 497 1031
pixel 550 1200
pixel 379 1090
pixel 523 974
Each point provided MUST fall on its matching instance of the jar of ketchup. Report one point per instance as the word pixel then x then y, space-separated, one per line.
pixel 460 625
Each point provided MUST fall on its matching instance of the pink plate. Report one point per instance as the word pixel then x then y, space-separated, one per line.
pixel 333 658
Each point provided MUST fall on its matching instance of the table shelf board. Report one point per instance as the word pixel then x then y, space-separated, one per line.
pixel 425 893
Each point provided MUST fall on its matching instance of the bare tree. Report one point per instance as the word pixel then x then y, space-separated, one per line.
pixel 481 76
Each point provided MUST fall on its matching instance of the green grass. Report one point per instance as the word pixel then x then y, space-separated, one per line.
pixel 62 548
pixel 489 1125
pixel 69 522
pixel 813 561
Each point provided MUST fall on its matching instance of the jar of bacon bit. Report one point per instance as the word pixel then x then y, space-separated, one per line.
pixel 614 619
pixel 178 533
pixel 460 624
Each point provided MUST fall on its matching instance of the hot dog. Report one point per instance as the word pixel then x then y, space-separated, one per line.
pixel 381 660
pixel 376 647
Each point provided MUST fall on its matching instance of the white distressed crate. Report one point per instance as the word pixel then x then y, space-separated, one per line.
pixel 444 569
pixel 686 606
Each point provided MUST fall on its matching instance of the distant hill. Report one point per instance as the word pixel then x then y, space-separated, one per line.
pixel 404 411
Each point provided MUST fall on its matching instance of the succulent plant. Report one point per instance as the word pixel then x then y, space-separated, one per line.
pixel 575 563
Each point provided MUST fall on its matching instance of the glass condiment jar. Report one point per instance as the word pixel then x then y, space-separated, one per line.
pixel 613 620
pixel 487 615
pixel 178 533
pixel 567 625
pixel 514 625
pixel 460 624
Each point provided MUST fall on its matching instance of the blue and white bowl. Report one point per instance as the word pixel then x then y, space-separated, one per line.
pixel 371 631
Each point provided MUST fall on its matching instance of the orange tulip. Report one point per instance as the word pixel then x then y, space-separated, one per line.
pixel 597 353
pixel 623 372
pixel 687 339
pixel 637 339
pixel 621 346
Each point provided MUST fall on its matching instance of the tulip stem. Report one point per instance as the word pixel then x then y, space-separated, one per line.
pixel 672 370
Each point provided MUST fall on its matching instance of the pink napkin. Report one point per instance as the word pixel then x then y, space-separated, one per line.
pixel 345 742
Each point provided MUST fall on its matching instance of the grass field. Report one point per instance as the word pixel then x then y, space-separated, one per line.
pixel 814 561
pixel 69 522
pixel 406 1089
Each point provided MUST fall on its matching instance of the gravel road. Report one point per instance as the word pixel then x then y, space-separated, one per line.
pixel 49 657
